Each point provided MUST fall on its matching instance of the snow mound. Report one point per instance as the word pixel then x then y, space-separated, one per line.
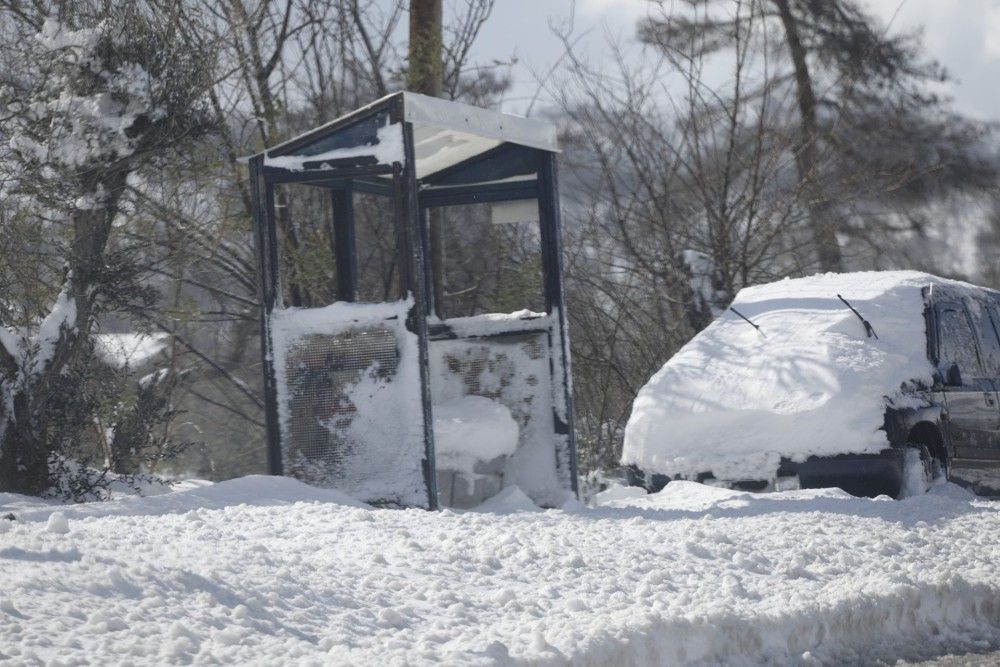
pixel 735 400
pixel 692 496
pixel 618 492
pixel 57 523
pixel 129 349
pixel 471 429
pixel 261 490
pixel 253 490
pixel 511 499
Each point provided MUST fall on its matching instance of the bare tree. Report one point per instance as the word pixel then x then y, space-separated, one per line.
pixel 681 194
pixel 862 101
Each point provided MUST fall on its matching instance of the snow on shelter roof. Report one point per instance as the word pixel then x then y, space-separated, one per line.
pixel 445 133
pixel 735 400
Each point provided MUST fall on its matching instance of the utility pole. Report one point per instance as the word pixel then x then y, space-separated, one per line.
pixel 425 75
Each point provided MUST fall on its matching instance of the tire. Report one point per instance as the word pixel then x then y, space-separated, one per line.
pixel 921 471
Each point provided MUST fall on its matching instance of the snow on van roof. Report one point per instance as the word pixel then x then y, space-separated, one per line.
pixel 734 401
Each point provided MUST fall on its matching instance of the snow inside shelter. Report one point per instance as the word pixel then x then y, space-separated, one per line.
pixel 735 400
pixel 415 341
pixel 471 429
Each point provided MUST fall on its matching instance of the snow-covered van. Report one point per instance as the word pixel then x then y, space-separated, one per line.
pixel 864 381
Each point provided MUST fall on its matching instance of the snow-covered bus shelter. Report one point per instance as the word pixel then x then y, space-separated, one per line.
pixel 414 332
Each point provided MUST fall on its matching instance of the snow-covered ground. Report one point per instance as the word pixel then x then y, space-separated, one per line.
pixel 268 571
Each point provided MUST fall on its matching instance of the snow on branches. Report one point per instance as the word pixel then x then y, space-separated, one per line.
pixel 90 106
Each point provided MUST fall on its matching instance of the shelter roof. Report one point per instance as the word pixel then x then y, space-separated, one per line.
pixel 445 133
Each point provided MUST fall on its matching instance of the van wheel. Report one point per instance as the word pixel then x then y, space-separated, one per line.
pixel 921 471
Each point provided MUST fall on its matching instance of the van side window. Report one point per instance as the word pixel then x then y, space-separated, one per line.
pixel 993 314
pixel 956 341
pixel 989 344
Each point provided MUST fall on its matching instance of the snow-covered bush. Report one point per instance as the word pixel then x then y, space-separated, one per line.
pixel 98 98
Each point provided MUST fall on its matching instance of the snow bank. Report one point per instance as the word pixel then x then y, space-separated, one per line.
pixel 618 492
pixel 734 400
pixel 471 429
pixel 511 499
pixel 692 575
pixel 259 490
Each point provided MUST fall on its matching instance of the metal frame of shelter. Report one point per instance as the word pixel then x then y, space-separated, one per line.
pixel 419 153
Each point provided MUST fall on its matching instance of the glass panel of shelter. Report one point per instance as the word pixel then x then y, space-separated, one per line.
pixel 307 265
pixel 376 248
pixel 490 260
pixel 308 233
pixel 491 263
pixel 338 239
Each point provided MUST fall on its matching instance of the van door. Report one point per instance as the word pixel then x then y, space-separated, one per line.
pixel 973 414
pixel 978 465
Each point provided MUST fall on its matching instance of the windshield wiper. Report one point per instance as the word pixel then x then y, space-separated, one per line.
pixel 868 325
pixel 745 319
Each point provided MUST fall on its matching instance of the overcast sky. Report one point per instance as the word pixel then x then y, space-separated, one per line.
pixel 963 35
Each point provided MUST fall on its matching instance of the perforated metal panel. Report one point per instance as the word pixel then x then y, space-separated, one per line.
pixel 322 370
pixel 350 401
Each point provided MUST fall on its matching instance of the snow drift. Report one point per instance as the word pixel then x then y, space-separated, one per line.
pixel 735 400
pixel 267 571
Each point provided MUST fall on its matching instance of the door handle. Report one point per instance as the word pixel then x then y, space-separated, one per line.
pixel 988 395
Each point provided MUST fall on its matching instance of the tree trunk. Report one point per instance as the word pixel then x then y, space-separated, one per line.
pixel 425 64
pixel 822 220
pixel 425 75
pixel 24 464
